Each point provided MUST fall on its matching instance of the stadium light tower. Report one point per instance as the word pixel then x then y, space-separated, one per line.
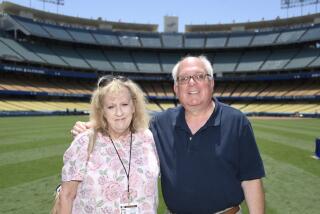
pixel 287 4
pixel 56 2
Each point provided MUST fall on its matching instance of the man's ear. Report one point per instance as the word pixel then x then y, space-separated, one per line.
pixel 175 88
pixel 212 83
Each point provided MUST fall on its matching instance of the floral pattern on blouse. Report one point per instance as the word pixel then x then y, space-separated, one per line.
pixel 103 183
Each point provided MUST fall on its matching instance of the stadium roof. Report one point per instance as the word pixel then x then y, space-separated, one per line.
pixel 64 20
pixel 263 25
pixel 53 18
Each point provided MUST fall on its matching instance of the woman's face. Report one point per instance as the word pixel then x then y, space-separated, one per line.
pixel 118 111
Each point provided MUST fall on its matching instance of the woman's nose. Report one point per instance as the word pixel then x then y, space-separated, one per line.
pixel 119 111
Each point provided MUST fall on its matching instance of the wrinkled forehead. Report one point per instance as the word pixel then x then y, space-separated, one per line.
pixel 116 91
pixel 191 65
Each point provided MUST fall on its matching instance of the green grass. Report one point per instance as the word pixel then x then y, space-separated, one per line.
pixel 31 151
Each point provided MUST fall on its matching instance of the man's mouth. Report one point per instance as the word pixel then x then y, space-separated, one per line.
pixel 193 92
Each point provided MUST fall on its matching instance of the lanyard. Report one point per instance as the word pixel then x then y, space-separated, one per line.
pixel 125 170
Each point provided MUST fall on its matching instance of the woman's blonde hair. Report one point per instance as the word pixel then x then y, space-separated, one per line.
pixel 113 84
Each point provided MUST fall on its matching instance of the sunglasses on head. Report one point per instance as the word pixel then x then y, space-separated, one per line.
pixel 105 80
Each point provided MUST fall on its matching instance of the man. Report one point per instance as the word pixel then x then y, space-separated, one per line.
pixel 208 156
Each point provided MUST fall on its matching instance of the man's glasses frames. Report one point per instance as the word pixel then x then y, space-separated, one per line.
pixel 196 77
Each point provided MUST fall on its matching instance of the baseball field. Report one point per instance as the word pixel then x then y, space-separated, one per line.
pixel 31 150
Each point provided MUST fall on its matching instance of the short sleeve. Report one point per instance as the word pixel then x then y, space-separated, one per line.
pixel 251 165
pixel 150 137
pixel 153 158
pixel 75 159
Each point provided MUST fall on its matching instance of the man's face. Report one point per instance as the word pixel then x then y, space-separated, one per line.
pixel 196 93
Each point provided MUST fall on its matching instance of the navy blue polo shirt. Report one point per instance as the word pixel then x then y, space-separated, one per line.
pixel 202 172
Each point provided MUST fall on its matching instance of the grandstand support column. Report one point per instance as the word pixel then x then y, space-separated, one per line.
pixel 15 33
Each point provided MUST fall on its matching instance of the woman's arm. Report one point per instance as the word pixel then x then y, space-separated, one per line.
pixel 67 195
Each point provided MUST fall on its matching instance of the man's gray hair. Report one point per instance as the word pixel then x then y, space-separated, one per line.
pixel 207 65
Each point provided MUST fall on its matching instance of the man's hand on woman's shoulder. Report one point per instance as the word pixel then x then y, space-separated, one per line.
pixel 80 127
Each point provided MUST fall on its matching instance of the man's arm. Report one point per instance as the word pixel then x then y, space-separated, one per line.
pixel 80 127
pixel 254 195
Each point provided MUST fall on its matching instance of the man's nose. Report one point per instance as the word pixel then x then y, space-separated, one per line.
pixel 192 81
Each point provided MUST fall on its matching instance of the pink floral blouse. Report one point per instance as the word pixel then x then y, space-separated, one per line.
pixel 103 179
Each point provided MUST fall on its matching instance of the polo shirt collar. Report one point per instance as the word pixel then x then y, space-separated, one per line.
pixel 214 119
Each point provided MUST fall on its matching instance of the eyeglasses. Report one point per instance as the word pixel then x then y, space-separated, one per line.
pixel 197 78
pixel 105 80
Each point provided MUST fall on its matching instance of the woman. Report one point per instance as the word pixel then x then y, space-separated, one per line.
pixel 112 168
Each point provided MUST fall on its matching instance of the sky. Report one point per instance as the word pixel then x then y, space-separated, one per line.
pixel 189 12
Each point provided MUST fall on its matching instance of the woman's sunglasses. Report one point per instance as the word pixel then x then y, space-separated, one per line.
pixel 105 80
